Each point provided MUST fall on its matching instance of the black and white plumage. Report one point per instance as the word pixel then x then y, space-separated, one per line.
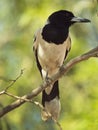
pixel 51 46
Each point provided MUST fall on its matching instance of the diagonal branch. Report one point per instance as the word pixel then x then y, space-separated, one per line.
pixel 63 70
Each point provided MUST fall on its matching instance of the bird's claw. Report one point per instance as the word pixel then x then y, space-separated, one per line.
pixel 48 80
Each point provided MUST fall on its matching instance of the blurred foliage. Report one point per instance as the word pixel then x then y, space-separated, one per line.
pixel 19 20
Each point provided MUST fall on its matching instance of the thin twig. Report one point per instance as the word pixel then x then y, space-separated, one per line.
pixel 13 81
pixel 58 124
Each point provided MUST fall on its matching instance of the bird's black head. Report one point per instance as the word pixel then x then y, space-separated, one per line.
pixel 57 28
pixel 65 18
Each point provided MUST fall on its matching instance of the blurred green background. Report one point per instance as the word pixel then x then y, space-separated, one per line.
pixel 19 20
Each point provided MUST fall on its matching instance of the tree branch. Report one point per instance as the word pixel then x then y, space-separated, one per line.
pixel 63 70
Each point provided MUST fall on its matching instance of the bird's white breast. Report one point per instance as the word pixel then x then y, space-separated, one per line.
pixel 51 56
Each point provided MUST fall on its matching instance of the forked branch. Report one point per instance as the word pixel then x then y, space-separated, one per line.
pixel 62 71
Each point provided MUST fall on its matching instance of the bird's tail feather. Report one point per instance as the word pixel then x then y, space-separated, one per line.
pixel 51 103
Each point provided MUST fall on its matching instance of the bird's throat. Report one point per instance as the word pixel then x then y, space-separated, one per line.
pixel 56 35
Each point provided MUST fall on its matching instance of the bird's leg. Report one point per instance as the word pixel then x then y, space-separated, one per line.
pixel 61 68
pixel 47 78
pixel 48 81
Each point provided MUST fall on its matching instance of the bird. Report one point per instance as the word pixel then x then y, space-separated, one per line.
pixel 51 46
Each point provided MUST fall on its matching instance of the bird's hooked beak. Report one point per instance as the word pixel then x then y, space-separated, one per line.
pixel 79 19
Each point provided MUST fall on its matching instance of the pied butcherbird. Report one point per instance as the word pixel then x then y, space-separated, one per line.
pixel 51 46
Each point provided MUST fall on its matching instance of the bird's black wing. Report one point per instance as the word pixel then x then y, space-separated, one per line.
pixel 68 47
pixel 35 47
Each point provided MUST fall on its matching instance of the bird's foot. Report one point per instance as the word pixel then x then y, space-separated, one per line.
pixel 48 79
pixel 61 68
